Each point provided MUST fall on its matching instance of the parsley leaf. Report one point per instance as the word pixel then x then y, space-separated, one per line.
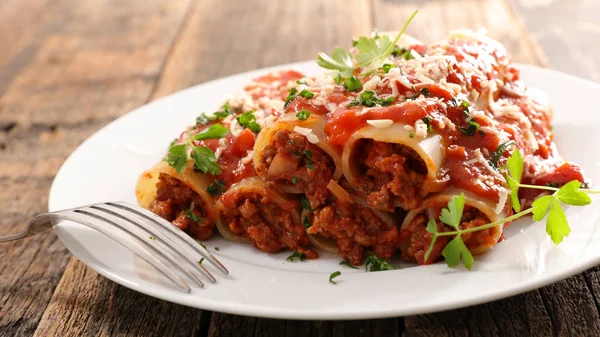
pixel 218 115
pixel 571 194
pixel 306 223
pixel 190 215
pixel 515 171
pixel 303 115
pixel 340 60
pixel 296 255
pixel 216 187
pixel 215 131
pixel 177 157
pixel 556 225
pixel 346 263
pixel 455 250
pixel 431 228
pixel 205 160
pixel 201 260
pixel 373 263
pixel 369 51
pixel 334 275
pixel 248 120
pixel 540 207
pixel 452 214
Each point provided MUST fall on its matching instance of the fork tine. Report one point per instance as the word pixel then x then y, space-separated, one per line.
pixel 162 224
pixel 137 234
pixel 137 250
pixel 164 239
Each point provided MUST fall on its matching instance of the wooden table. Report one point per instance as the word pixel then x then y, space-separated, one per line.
pixel 68 67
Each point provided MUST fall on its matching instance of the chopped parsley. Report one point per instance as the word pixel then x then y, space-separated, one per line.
pixel 300 82
pixel 471 129
pixel 294 180
pixel 308 154
pixel 306 223
pixel 369 99
pixel 386 67
pixel 305 204
pixel 190 215
pixel 346 263
pixel 495 157
pixel 248 120
pixel 153 238
pixel 352 84
pixel 411 135
pixel 217 249
pixel 374 263
pixel 296 255
pixel 303 115
pixel 201 260
pixel 218 115
pixel 334 275
pixel 311 165
pixel 427 120
pixel 425 92
pixel 290 97
pixel 216 187
pixel 306 94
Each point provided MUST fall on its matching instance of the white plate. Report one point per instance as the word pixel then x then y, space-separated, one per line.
pixel 106 167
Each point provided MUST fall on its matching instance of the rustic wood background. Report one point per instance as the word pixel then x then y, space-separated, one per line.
pixel 68 67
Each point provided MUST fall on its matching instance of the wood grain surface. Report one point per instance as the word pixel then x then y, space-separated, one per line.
pixel 69 67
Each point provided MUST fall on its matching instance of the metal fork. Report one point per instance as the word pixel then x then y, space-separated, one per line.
pixel 158 236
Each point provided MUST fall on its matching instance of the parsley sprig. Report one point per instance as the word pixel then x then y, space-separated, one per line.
pixel 549 207
pixel 371 51
pixel 203 157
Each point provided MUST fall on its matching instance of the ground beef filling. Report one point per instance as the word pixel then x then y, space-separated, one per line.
pixel 173 201
pixel 268 227
pixel 417 239
pixel 313 168
pixel 392 175
pixel 355 228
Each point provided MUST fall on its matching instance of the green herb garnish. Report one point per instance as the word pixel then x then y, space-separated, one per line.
pixel 369 99
pixel 306 94
pixel 215 131
pixel 296 255
pixel 190 215
pixel 248 120
pixel 347 264
pixel 305 204
pixel 352 84
pixel 373 263
pixel 472 128
pixel 216 187
pixel 306 223
pixel 334 275
pixel 203 157
pixel 549 207
pixel 303 115
pixel 496 155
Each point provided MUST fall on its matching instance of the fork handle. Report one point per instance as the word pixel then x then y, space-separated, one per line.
pixel 40 223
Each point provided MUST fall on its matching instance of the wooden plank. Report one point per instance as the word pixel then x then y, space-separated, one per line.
pixel 567 307
pixel 74 66
pixel 213 45
pixel 565 31
pixel 87 304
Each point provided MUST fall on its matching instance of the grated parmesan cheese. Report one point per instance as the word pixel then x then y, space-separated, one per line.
pixel 248 157
pixel 380 123
pixel 420 129
pixel 502 197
